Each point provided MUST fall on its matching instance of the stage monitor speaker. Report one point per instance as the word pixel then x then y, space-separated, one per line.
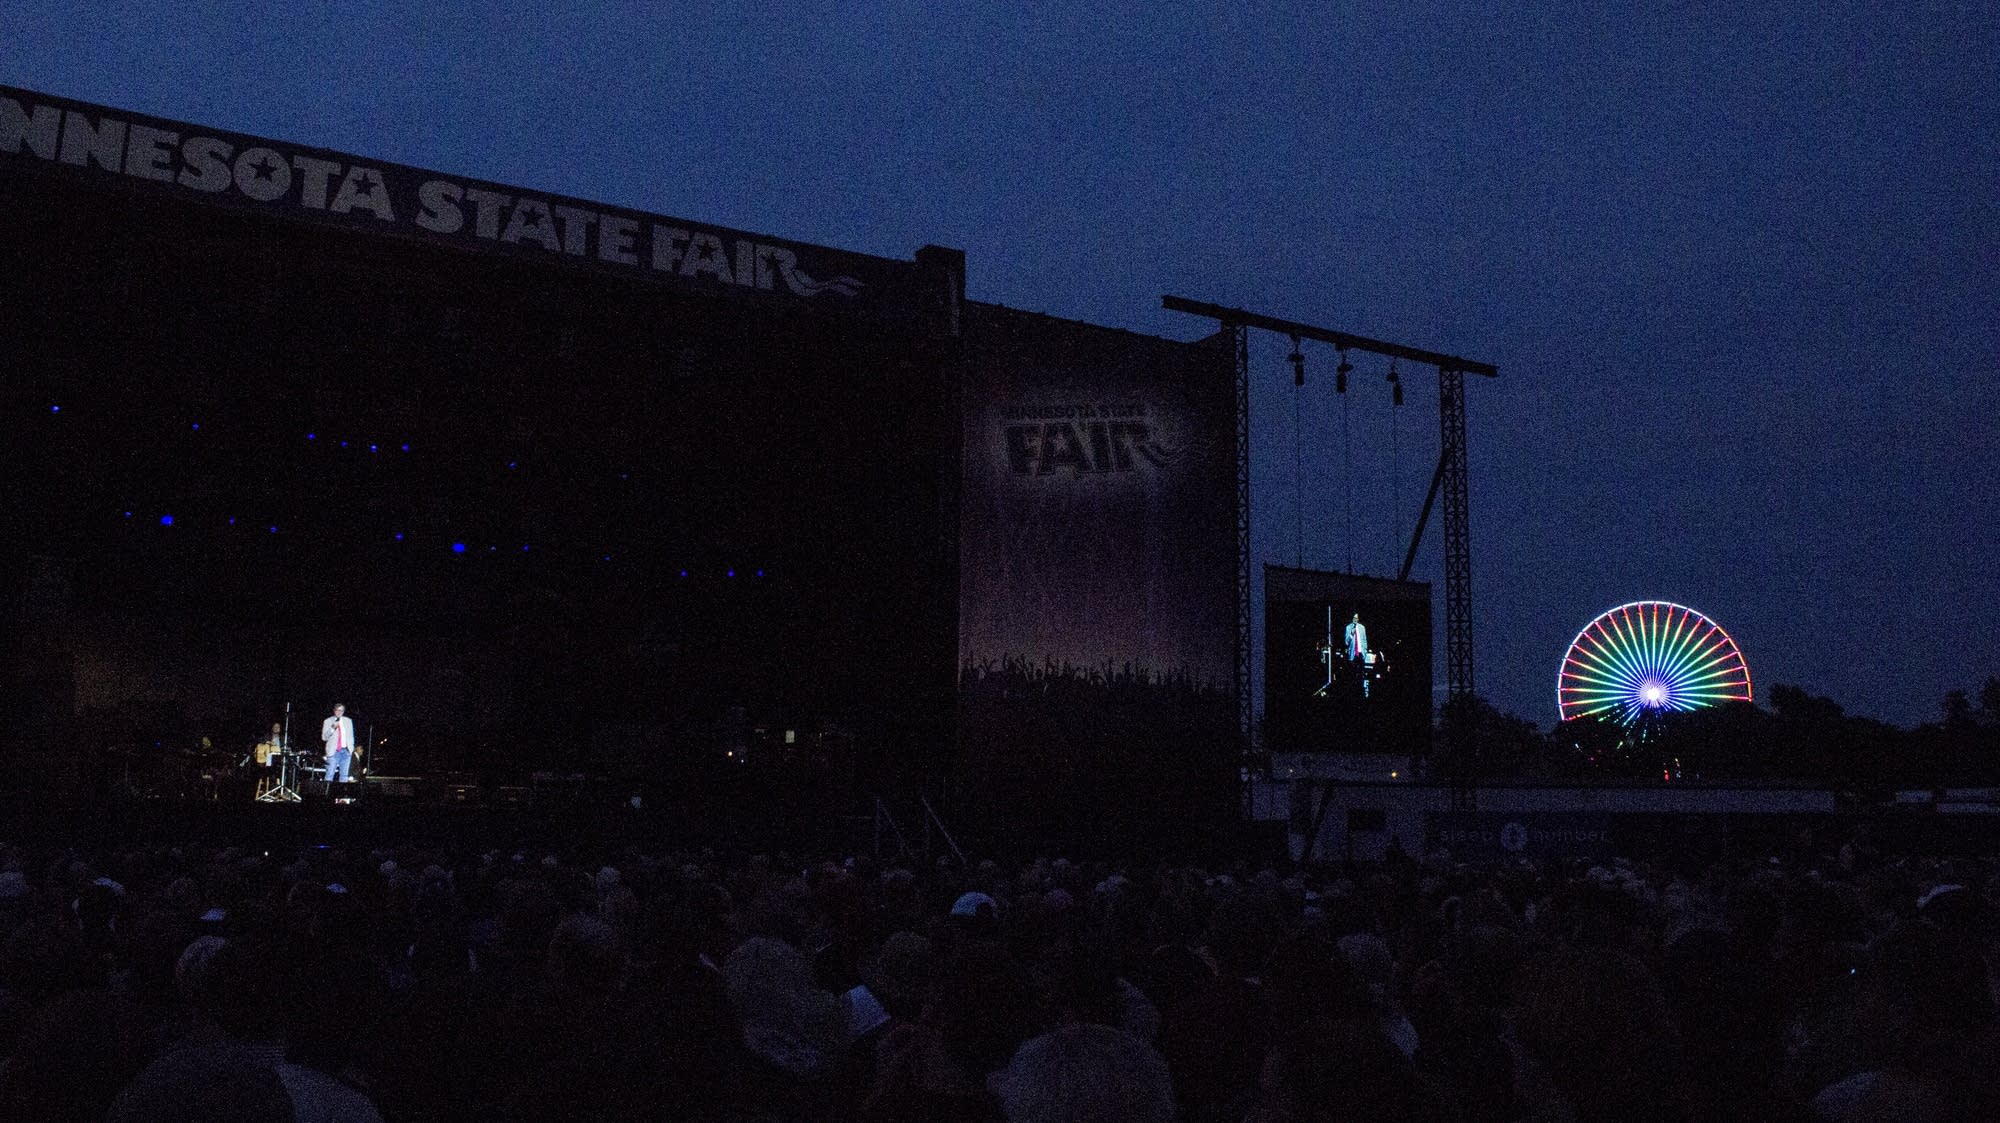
pixel 393 789
pixel 322 791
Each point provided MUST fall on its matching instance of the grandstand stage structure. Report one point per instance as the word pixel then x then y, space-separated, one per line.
pixel 533 483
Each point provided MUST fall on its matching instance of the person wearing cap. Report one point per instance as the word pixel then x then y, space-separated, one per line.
pixel 975 906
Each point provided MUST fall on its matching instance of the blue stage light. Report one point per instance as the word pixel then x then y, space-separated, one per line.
pixel 232 520
pixel 607 557
pixel 343 444
pixel 128 514
pixel 760 573
pixel 55 409
pixel 274 528
pixel 399 536
pixel 732 573
pixel 372 448
pixel 492 549
pixel 166 520
pixel 524 547
pixel 511 464
pixel 458 547
pixel 195 425
pixel 406 448
pixel 684 573
pixel 312 436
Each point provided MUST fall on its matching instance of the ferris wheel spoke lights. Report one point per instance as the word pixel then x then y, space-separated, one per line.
pixel 1649 656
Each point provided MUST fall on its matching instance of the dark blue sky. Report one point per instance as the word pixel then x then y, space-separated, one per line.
pixel 1741 272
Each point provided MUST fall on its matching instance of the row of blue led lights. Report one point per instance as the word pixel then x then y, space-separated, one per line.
pixel 195 426
pixel 313 436
pixel 405 447
pixel 372 447
pixel 460 547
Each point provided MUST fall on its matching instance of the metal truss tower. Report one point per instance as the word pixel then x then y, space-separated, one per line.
pixel 1451 479
pixel 1246 710
pixel 1453 476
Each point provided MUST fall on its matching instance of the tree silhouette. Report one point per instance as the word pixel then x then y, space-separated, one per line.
pixel 1801 737
pixel 1507 744
pixel 1958 716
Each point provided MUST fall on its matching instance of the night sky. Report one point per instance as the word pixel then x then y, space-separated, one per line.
pixel 1740 272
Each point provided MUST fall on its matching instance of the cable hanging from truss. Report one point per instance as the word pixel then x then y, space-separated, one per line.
pixel 1298 360
pixel 1346 450
pixel 1395 459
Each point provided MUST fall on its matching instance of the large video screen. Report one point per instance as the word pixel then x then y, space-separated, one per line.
pixel 1347 663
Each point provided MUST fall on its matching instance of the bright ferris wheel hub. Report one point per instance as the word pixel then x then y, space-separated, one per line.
pixel 1649 655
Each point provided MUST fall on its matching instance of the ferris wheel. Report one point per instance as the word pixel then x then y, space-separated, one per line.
pixel 1649 656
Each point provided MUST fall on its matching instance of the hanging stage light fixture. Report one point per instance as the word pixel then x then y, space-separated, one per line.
pixel 1396 382
pixel 1298 360
pixel 1340 373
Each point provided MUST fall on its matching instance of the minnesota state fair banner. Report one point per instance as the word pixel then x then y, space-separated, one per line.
pixel 111 148
pixel 1096 563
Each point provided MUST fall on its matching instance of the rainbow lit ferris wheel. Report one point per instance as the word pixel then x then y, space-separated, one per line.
pixel 1649 656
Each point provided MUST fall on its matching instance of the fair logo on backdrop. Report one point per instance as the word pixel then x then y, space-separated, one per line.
pixel 1068 440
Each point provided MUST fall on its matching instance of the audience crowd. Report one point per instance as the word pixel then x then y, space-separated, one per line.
pixel 435 983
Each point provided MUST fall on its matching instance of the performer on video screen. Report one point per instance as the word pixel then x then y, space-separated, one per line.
pixel 1355 640
pixel 338 733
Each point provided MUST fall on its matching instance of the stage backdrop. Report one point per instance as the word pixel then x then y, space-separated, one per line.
pixel 1097 570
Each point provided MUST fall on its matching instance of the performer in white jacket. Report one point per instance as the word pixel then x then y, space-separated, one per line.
pixel 338 733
